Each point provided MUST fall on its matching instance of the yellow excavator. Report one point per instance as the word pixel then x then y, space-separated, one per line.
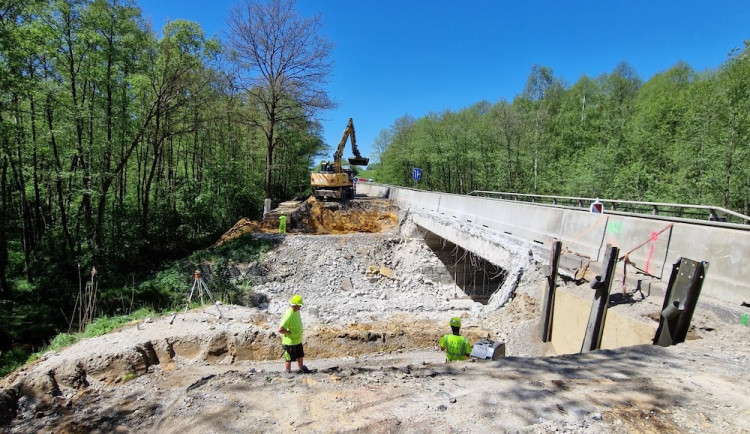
pixel 333 181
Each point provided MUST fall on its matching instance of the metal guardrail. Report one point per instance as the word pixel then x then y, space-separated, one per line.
pixel 698 213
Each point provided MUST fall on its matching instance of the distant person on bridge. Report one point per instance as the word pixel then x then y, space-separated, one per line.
pixel 597 207
pixel 291 329
pixel 282 224
pixel 456 346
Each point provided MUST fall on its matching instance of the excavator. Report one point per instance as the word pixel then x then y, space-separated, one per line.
pixel 334 181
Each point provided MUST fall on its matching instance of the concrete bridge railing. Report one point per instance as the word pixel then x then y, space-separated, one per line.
pixel 652 245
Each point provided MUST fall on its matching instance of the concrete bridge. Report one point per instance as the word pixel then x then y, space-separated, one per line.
pixel 652 243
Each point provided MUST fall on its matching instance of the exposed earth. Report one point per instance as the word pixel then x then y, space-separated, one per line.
pixel 377 299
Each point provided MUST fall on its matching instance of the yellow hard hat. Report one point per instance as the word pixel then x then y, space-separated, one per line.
pixel 296 300
pixel 455 322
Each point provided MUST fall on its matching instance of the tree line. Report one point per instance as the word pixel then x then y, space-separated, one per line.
pixel 681 137
pixel 120 147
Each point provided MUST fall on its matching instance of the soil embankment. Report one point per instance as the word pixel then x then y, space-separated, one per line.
pixel 376 302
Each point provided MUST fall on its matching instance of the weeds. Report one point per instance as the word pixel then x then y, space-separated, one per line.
pixel 166 290
pixel 12 360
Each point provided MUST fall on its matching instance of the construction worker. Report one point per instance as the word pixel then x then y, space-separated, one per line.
pixel 456 346
pixel 291 329
pixel 282 224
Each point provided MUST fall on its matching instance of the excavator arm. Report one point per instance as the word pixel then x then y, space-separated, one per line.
pixel 357 160
pixel 333 181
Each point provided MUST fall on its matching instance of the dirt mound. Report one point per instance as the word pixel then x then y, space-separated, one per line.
pixel 316 217
pixel 368 216
pixel 398 334
pixel 246 226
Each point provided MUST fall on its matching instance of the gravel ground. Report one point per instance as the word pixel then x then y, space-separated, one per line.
pixel 375 306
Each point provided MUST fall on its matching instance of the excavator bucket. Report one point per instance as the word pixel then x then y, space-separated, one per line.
pixel 358 161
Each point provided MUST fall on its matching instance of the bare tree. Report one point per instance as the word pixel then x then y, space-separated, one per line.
pixel 283 65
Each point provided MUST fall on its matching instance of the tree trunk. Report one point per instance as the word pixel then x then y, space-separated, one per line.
pixel 4 203
pixel 269 162
pixel 20 181
pixel 38 211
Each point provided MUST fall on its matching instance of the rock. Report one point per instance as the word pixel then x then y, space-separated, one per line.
pixel 346 284
pixel 387 272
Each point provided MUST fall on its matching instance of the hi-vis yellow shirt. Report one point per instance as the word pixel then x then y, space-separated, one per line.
pixel 292 321
pixel 456 347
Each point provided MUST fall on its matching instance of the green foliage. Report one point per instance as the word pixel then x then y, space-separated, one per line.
pixel 678 137
pixel 243 249
pixel 127 377
pixel 104 324
pixel 12 360
pixel 61 341
pixel 125 151
pixel 15 358
pixel 165 288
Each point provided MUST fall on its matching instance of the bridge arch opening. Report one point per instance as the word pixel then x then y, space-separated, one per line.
pixel 477 277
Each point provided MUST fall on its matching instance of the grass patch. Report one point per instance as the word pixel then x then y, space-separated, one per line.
pixel 127 377
pixel 14 359
pixel 105 324
pixel 242 249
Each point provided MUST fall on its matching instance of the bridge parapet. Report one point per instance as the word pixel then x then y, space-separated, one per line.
pixel 651 243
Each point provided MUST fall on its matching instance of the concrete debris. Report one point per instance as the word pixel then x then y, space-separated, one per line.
pixel 373 351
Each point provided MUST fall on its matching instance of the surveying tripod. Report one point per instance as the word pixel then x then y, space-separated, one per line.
pixel 198 282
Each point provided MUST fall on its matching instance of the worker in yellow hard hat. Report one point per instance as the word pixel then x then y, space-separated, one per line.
pixel 456 346
pixel 291 330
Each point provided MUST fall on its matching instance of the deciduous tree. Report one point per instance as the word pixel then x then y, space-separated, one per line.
pixel 283 63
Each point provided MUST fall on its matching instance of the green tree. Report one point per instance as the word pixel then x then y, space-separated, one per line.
pixel 284 64
pixel 657 124
pixel 735 117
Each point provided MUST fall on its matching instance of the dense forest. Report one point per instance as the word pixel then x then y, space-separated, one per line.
pixel 121 147
pixel 680 137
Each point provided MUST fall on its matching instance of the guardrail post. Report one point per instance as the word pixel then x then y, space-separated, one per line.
pixel 593 338
pixel 548 306
pixel 681 297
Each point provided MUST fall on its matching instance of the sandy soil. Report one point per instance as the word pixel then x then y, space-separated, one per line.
pixel 375 307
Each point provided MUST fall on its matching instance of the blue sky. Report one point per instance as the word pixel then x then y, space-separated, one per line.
pixel 414 57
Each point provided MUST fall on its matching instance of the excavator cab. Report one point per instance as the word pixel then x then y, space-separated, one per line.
pixel 333 181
